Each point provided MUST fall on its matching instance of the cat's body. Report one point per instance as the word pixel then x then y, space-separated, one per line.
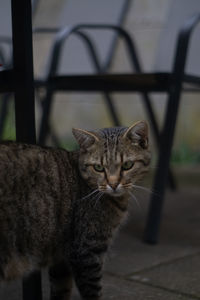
pixel 60 209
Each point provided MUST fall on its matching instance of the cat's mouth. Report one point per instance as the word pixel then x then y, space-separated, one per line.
pixel 113 190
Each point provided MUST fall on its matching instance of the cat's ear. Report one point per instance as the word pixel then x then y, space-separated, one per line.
pixel 84 138
pixel 138 134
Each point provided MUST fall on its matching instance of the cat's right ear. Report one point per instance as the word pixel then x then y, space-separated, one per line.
pixel 138 134
pixel 84 138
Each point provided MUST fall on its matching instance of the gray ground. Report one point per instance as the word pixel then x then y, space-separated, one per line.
pixel 169 270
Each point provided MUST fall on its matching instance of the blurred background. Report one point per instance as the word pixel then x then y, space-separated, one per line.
pixel 153 24
pixel 171 269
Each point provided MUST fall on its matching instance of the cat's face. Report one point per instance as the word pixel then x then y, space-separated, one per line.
pixel 113 159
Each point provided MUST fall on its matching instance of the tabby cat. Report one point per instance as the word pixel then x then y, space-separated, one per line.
pixel 60 209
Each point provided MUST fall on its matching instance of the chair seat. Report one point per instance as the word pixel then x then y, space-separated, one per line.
pixel 110 82
pixel 145 82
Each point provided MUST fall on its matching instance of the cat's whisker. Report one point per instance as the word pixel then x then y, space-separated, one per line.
pixel 98 197
pixel 102 190
pixel 95 196
pixel 127 186
pixel 90 194
pixel 139 187
pixel 136 200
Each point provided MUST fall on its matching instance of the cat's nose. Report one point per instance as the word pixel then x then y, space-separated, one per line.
pixel 114 185
pixel 113 181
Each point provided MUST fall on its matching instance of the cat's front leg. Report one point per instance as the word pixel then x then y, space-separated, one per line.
pixel 87 270
pixel 60 277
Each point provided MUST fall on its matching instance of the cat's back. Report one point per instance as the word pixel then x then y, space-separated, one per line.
pixel 23 166
pixel 18 160
pixel 13 155
pixel 30 171
pixel 36 189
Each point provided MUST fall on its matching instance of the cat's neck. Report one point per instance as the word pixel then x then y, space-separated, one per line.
pixel 120 202
pixel 74 156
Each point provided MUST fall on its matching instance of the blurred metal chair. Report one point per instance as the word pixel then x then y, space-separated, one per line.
pixel 64 34
pixel 92 51
pixel 61 37
pixel 169 82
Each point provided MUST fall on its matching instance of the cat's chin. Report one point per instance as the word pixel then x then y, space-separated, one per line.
pixel 115 193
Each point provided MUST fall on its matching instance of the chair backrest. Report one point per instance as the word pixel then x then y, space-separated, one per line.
pixel 73 12
pixel 5 18
pixel 93 11
pixel 179 12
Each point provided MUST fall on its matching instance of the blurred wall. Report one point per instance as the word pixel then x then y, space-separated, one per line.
pixel 153 24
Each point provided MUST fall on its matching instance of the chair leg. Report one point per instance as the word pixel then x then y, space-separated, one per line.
pixel 112 109
pixel 32 287
pixel 3 113
pixel 160 180
pixel 46 109
pixel 154 125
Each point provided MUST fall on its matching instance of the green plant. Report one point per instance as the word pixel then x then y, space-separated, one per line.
pixel 185 155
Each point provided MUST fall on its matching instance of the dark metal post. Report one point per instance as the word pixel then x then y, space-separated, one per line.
pixel 24 101
pixel 23 70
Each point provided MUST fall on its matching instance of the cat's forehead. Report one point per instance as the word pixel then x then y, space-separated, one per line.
pixel 110 138
pixel 112 145
pixel 112 133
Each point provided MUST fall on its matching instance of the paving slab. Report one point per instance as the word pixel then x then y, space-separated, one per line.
pixel 118 289
pixel 181 276
pixel 115 288
pixel 179 235
pixel 130 255
pixel 11 290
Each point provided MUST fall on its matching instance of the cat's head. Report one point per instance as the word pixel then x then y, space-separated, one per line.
pixel 113 159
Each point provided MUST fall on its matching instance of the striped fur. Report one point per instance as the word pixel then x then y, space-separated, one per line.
pixel 58 211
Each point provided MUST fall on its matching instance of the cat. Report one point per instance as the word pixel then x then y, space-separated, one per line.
pixel 59 209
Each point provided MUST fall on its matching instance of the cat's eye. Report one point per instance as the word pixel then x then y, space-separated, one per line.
pixel 127 165
pixel 98 168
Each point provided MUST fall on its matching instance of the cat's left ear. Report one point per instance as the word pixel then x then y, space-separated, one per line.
pixel 84 138
pixel 138 134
